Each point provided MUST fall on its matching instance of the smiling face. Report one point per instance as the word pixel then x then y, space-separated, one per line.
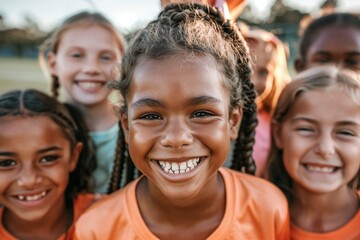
pixel 338 45
pixel 35 162
pixel 320 139
pixel 178 126
pixel 84 62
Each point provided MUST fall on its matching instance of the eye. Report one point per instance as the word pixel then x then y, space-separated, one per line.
pixel 201 114
pixel 263 72
pixel 322 59
pixel 150 116
pixel 304 129
pixel 7 163
pixel 352 62
pixel 345 132
pixel 106 57
pixel 76 55
pixel 49 159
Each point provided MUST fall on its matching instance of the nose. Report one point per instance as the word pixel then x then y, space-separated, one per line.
pixel 91 67
pixel 325 147
pixel 177 135
pixel 29 177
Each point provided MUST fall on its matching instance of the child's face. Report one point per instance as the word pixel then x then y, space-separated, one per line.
pixel 320 139
pixel 178 126
pixel 85 62
pixel 264 64
pixel 35 162
pixel 336 45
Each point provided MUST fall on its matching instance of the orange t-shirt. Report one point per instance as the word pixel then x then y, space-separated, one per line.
pixel 255 209
pixel 350 231
pixel 82 202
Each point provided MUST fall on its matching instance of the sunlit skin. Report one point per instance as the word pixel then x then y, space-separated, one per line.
pixel 339 45
pixel 178 109
pixel 84 63
pixel 320 139
pixel 35 162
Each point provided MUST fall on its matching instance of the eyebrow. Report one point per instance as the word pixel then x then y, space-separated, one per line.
pixel 149 102
pixel 52 148
pixel 345 122
pixel 146 102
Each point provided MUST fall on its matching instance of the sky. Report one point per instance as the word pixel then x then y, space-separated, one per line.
pixel 125 14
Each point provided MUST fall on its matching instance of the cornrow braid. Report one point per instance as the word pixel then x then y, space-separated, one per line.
pixel 242 159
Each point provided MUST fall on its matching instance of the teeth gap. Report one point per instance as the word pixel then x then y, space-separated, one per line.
pixel 179 168
pixel 33 197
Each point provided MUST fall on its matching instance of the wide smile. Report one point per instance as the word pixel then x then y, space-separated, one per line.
pixel 179 167
pixel 90 85
pixel 320 168
pixel 31 197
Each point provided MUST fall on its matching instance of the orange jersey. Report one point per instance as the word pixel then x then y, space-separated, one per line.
pixel 255 209
pixel 81 203
pixel 350 231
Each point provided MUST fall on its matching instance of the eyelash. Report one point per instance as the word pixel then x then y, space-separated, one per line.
pixel 49 159
pixel 201 114
pixel 150 116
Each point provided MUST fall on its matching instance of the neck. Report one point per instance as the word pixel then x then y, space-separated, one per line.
pixel 52 226
pixel 323 212
pixel 198 216
pixel 99 117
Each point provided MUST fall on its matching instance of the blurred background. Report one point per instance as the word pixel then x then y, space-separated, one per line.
pixel 24 24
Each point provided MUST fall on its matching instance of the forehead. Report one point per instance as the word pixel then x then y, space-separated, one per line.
pixel 38 130
pixel 338 38
pixel 178 75
pixel 88 35
pixel 324 104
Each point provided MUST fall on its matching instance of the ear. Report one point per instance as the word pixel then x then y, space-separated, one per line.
pixel 276 132
pixel 125 125
pixel 299 64
pixel 75 156
pixel 51 59
pixel 235 121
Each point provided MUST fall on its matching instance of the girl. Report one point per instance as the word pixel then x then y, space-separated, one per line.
pixel 179 142
pixel 315 156
pixel 81 54
pixel 333 38
pixel 270 76
pixel 42 168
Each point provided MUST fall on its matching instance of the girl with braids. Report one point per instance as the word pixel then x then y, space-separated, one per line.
pixel 185 81
pixel 43 170
pixel 333 38
pixel 315 157
pixel 81 55
pixel 270 76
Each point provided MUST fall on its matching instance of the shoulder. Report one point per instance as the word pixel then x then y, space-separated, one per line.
pixel 103 217
pixel 255 190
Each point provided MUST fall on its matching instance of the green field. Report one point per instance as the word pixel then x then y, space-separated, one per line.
pixel 19 73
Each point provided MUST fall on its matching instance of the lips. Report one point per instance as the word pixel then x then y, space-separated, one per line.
pixel 179 167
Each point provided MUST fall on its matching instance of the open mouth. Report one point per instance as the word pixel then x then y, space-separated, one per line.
pixel 32 197
pixel 321 169
pixel 90 85
pixel 179 167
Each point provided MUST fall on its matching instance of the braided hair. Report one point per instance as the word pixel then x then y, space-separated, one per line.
pixel 31 103
pixel 51 44
pixel 202 30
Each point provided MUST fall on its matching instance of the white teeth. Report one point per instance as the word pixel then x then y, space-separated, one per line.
pixel 31 198
pixel 320 169
pixel 178 168
pixel 89 85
